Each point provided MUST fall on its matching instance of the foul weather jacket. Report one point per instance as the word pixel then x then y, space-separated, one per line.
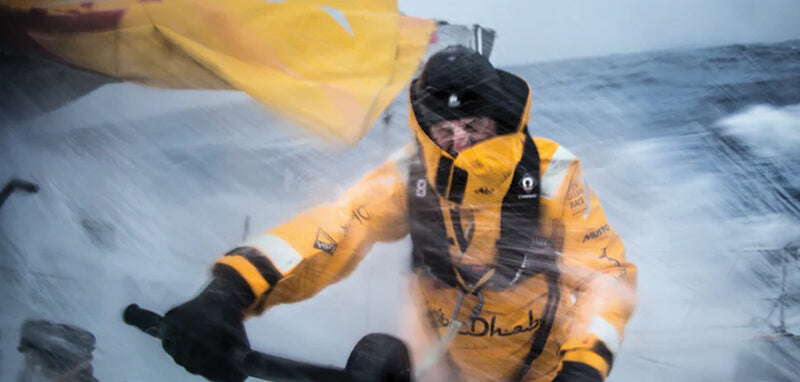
pixel 510 221
pixel 590 303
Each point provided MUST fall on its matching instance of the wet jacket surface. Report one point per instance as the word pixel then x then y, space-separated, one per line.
pixel 487 208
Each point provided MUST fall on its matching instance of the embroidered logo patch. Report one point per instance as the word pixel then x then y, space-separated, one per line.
pixel 527 183
pixel 325 242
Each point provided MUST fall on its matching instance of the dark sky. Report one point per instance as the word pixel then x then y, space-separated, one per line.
pixel 537 30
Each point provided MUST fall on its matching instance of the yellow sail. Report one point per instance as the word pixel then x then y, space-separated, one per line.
pixel 331 65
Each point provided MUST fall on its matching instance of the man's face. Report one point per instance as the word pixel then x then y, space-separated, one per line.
pixel 458 135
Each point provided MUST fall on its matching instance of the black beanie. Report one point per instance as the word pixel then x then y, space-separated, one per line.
pixel 458 82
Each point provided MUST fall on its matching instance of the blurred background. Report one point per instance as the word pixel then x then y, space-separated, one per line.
pixel 686 119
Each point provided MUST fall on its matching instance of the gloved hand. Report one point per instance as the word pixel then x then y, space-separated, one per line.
pixel 578 372
pixel 202 334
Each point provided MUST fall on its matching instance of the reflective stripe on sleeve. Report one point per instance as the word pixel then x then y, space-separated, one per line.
pixel 279 252
pixel 556 171
pixel 605 332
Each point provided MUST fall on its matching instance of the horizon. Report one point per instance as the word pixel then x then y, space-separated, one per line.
pixel 540 32
pixel 652 51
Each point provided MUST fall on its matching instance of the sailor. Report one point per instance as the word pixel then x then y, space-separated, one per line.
pixel 514 256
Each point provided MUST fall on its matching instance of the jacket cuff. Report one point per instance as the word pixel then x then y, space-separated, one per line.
pixel 251 268
pixel 229 287
pixel 577 372
pixel 589 351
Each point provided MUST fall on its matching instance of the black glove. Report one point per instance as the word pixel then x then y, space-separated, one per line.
pixel 202 334
pixel 578 372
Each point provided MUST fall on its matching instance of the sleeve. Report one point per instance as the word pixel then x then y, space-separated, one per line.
pixel 297 259
pixel 602 282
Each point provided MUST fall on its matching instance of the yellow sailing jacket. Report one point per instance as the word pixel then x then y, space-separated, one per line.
pixel 489 208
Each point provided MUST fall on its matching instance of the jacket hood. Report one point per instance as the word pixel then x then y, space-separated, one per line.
pixel 486 167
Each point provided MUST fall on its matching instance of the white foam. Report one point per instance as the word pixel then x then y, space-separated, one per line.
pixel 770 131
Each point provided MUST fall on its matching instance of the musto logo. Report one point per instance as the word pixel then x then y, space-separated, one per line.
pixel 482 327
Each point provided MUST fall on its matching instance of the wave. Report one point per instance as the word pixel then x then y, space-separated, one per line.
pixel 768 130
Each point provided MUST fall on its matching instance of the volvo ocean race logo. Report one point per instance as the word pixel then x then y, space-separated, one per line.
pixel 527 183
